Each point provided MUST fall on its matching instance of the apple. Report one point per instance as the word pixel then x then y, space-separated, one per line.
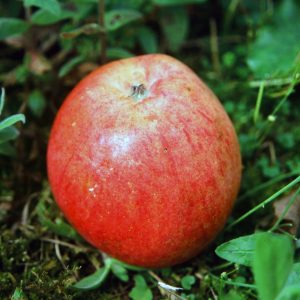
pixel 144 161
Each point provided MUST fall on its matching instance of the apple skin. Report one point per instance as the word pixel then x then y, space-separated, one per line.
pixel 149 178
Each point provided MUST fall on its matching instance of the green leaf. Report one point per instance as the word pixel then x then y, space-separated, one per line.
pixel 291 290
pixel 117 18
pixel 2 100
pixel 86 29
pixel 69 66
pixel 233 295
pixel 188 281
pixel 44 17
pixel 294 276
pixel 148 40
pixel 141 290
pixel 37 103
pixel 93 281
pixel 86 1
pixel 176 2
pixel 59 227
pixel 18 295
pixel 280 39
pixel 9 121
pixel 272 263
pixel 7 149
pixel 119 271
pixel 11 27
pixel 7 134
pixel 175 25
pixel 239 250
pixel 127 266
pixel 114 53
pixel 50 5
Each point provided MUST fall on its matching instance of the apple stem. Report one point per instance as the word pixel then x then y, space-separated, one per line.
pixel 139 92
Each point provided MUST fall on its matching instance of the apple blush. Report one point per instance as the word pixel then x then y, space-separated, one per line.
pixel 144 162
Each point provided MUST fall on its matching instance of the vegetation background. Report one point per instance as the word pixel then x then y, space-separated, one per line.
pixel 248 53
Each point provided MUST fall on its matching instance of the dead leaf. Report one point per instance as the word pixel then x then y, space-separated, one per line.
pixel 38 64
pixel 293 214
pixel 79 72
pixel 15 41
pixel 86 68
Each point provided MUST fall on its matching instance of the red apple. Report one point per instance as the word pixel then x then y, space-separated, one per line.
pixel 144 161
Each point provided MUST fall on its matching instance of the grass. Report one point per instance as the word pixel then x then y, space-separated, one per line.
pixel 46 50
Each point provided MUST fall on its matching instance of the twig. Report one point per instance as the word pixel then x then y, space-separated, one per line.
pixel 55 241
pixel 58 255
pixel 102 33
pixel 156 277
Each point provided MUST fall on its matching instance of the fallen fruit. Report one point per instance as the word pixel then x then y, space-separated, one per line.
pixel 144 161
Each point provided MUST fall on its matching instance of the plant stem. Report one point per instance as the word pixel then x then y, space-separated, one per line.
pixel 101 9
pixel 230 282
pixel 258 102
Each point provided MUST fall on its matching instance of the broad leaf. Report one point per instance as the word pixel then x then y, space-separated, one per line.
pixel 59 227
pixel 273 260
pixel 175 25
pixel 50 5
pixel 291 290
pixel 233 295
pixel 44 17
pixel 141 290
pixel 117 18
pixel 127 266
pixel 240 250
pixel 279 40
pixel 93 281
pixel 37 103
pixel 7 149
pixel 11 27
pixel 119 271
pixel 294 276
pixel 7 134
pixel 148 40
pixel 114 53
pixel 188 281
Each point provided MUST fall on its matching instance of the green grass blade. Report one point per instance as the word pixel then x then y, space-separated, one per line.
pixel 258 102
pixel 265 202
pixel 12 120
pixel 2 99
